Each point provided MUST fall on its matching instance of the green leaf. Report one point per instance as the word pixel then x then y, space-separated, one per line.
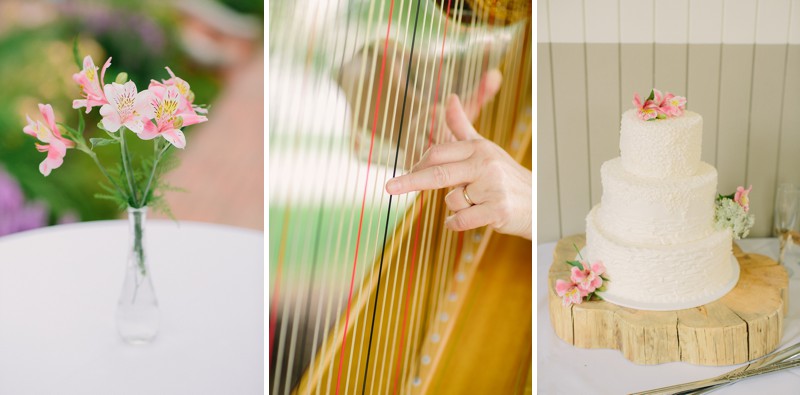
pixel 652 95
pixel 577 250
pixel 75 54
pixel 602 276
pixel 81 122
pixel 99 142
pixel 576 264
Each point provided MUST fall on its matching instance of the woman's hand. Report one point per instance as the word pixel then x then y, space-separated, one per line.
pixel 489 187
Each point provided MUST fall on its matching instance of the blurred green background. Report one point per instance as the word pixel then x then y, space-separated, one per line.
pixel 36 66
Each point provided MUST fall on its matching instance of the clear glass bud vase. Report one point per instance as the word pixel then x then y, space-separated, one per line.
pixel 137 311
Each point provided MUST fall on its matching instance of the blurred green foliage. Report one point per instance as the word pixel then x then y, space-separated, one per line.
pixel 36 66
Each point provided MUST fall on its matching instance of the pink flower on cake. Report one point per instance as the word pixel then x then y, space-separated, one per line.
pixel 589 279
pixel 741 197
pixel 672 106
pixel 569 292
pixel 91 85
pixel 47 132
pixel 647 110
pixel 659 105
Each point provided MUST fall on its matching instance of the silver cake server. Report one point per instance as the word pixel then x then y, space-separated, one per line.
pixel 785 359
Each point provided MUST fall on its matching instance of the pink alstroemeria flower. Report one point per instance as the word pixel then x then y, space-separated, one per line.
pixel 47 132
pixel 646 110
pixel 588 280
pixel 91 85
pixel 169 117
pixel 187 108
pixel 742 198
pixel 126 107
pixel 672 106
pixel 569 293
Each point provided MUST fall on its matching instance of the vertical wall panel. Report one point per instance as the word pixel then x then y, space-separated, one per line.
pixel 794 22
pixel 705 21
pixel 734 114
pixel 569 92
pixel 602 21
pixel 636 72
pixel 636 21
pixel 670 65
pixel 671 21
pixel 542 22
pixel 703 93
pixel 566 21
pixel 789 156
pixel 739 21
pixel 548 223
pixel 602 61
pixel 765 123
pixel 772 23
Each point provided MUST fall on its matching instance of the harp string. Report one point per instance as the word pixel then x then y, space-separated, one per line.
pixel 363 203
pixel 389 208
pixel 420 278
pixel 349 149
pixel 421 199
pixel 307 222
pixel 411 137
pixel 286 236
pixel 378 190
pixel 333 272
pixel 319 224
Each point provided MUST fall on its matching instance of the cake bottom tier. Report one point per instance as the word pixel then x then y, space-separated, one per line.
pixel 667 277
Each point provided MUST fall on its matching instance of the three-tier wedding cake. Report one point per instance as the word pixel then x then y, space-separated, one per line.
pixel 654 227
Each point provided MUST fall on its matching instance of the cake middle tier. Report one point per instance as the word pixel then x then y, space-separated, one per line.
pixel 646 211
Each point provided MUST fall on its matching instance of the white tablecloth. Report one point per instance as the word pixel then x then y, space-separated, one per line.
pixel 564 369
pixel 58 292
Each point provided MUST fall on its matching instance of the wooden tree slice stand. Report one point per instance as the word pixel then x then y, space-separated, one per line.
pixel 745 324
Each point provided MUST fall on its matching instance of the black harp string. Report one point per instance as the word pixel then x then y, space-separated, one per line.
pixel 353 136
pixel 366 266
pixel 389 208
pixel 369 258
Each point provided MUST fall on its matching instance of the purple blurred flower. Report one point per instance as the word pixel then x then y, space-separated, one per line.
pixel 15 214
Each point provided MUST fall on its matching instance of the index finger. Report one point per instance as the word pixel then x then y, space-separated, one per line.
pixel 436 177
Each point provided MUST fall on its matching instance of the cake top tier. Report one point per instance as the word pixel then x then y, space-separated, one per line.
pixel 663 148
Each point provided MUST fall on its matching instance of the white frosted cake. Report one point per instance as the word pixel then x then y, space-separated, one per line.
pixel 654 227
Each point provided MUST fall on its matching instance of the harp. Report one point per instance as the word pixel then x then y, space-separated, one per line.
pixel 369 293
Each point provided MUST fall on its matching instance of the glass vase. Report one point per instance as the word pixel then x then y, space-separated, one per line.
pixel 137 311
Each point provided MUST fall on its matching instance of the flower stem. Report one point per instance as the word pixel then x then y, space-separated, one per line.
pixel 103 170
pixel 155 166
pixel 126 164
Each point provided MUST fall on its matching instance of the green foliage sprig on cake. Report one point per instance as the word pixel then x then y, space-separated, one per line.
pixel 659 105
pixel 733 212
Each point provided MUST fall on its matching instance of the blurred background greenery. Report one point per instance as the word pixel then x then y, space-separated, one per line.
pixel 200 40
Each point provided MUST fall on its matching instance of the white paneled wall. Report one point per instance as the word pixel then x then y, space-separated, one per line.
pixel 737 62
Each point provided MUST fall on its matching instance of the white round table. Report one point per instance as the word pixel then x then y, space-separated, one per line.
pixel 58 293
pixel 564 369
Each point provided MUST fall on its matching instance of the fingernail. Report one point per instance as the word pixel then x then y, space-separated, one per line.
pixel 449 219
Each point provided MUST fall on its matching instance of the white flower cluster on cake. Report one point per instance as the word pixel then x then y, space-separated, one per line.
pixel 732 212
